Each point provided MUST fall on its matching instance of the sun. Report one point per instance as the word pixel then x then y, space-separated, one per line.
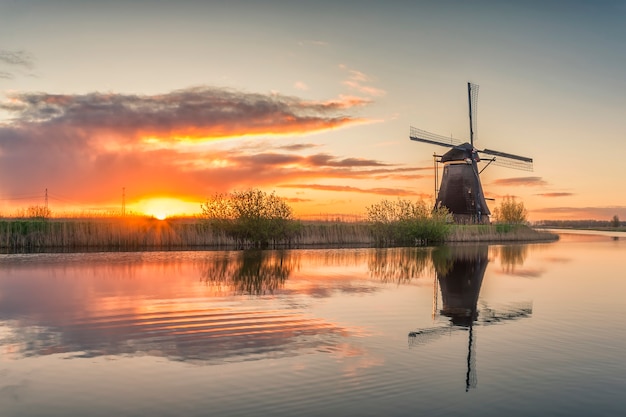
pixel 163 207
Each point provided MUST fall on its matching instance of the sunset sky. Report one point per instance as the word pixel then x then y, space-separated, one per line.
pixel 169 102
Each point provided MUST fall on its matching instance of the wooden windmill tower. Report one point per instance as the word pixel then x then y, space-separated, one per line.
pixel 460 190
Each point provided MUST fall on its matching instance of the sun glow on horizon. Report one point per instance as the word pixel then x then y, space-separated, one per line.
pixel 164 207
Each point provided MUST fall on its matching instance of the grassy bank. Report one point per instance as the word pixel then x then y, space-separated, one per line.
pixel 20 235
pixel 498 233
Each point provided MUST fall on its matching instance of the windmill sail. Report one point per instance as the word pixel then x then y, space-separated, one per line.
pixel 510 160
pixel 420 135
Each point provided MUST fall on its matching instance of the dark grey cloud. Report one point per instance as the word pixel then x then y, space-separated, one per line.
pixel 198 112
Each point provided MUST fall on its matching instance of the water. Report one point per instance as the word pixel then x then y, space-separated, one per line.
pixel 472 330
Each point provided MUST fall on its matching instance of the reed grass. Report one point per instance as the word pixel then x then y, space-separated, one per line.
pixel 498 233
pixel 139 233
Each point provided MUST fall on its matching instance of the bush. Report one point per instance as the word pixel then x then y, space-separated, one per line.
pixel 38 212
pixel 252 217
pixel 510 212
pixel 407 222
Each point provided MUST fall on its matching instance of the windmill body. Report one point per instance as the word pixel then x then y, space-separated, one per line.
pixel 461 191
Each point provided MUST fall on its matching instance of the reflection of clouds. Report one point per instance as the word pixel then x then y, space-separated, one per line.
pixel 526 272
pixel 558 260
pixel 200 334
pixel 355 359
pixel 152 304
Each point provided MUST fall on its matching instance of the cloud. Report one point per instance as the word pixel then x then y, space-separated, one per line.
pixel 298 146
pixel 521 182
pixel 299 85
pixel 555 194
pixel 16 58
pixel 197 113
pixel 358 81
pixel 87 147
pixel 346 188
pixel 15 62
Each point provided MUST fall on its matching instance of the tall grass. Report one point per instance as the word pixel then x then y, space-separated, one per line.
pixel 498 233
pixel 107 234
pixel 139 233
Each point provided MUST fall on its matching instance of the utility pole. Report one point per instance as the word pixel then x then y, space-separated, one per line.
pixel 123 201
pixel 46 199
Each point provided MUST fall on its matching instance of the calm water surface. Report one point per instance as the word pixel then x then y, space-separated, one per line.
pixel 510 330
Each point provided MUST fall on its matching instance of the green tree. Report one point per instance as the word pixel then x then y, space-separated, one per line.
pixel 510 211
pixel 615 221
pixel 252 217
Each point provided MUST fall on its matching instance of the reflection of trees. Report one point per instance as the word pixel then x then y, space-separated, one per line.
pixel 398 264
pixel 250 272
pixel 512 256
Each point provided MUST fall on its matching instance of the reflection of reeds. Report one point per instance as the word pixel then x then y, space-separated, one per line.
pixel 399 265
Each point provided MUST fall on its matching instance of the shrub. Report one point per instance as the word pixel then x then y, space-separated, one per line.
pixel 510 212
pixel 407 222
pixel 252 217
pixel 38 212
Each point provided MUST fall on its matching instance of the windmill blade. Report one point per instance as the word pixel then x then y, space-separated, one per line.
pixel 432 138
pixel 423 336
pixel 510 160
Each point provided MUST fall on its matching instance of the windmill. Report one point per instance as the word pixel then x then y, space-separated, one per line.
pixel 461 191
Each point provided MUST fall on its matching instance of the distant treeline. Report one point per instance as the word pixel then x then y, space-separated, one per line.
pixel 582 224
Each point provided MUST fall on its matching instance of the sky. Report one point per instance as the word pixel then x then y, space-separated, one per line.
pixel 159 105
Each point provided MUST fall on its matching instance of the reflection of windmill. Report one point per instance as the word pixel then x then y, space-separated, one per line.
pixel 461 191
pixel 460 274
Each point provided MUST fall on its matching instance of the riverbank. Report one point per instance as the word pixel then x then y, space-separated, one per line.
pixel 140 233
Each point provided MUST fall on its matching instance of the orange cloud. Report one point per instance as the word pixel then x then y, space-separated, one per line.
pixel 85 148
pixel 521 181
pixel 346 188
